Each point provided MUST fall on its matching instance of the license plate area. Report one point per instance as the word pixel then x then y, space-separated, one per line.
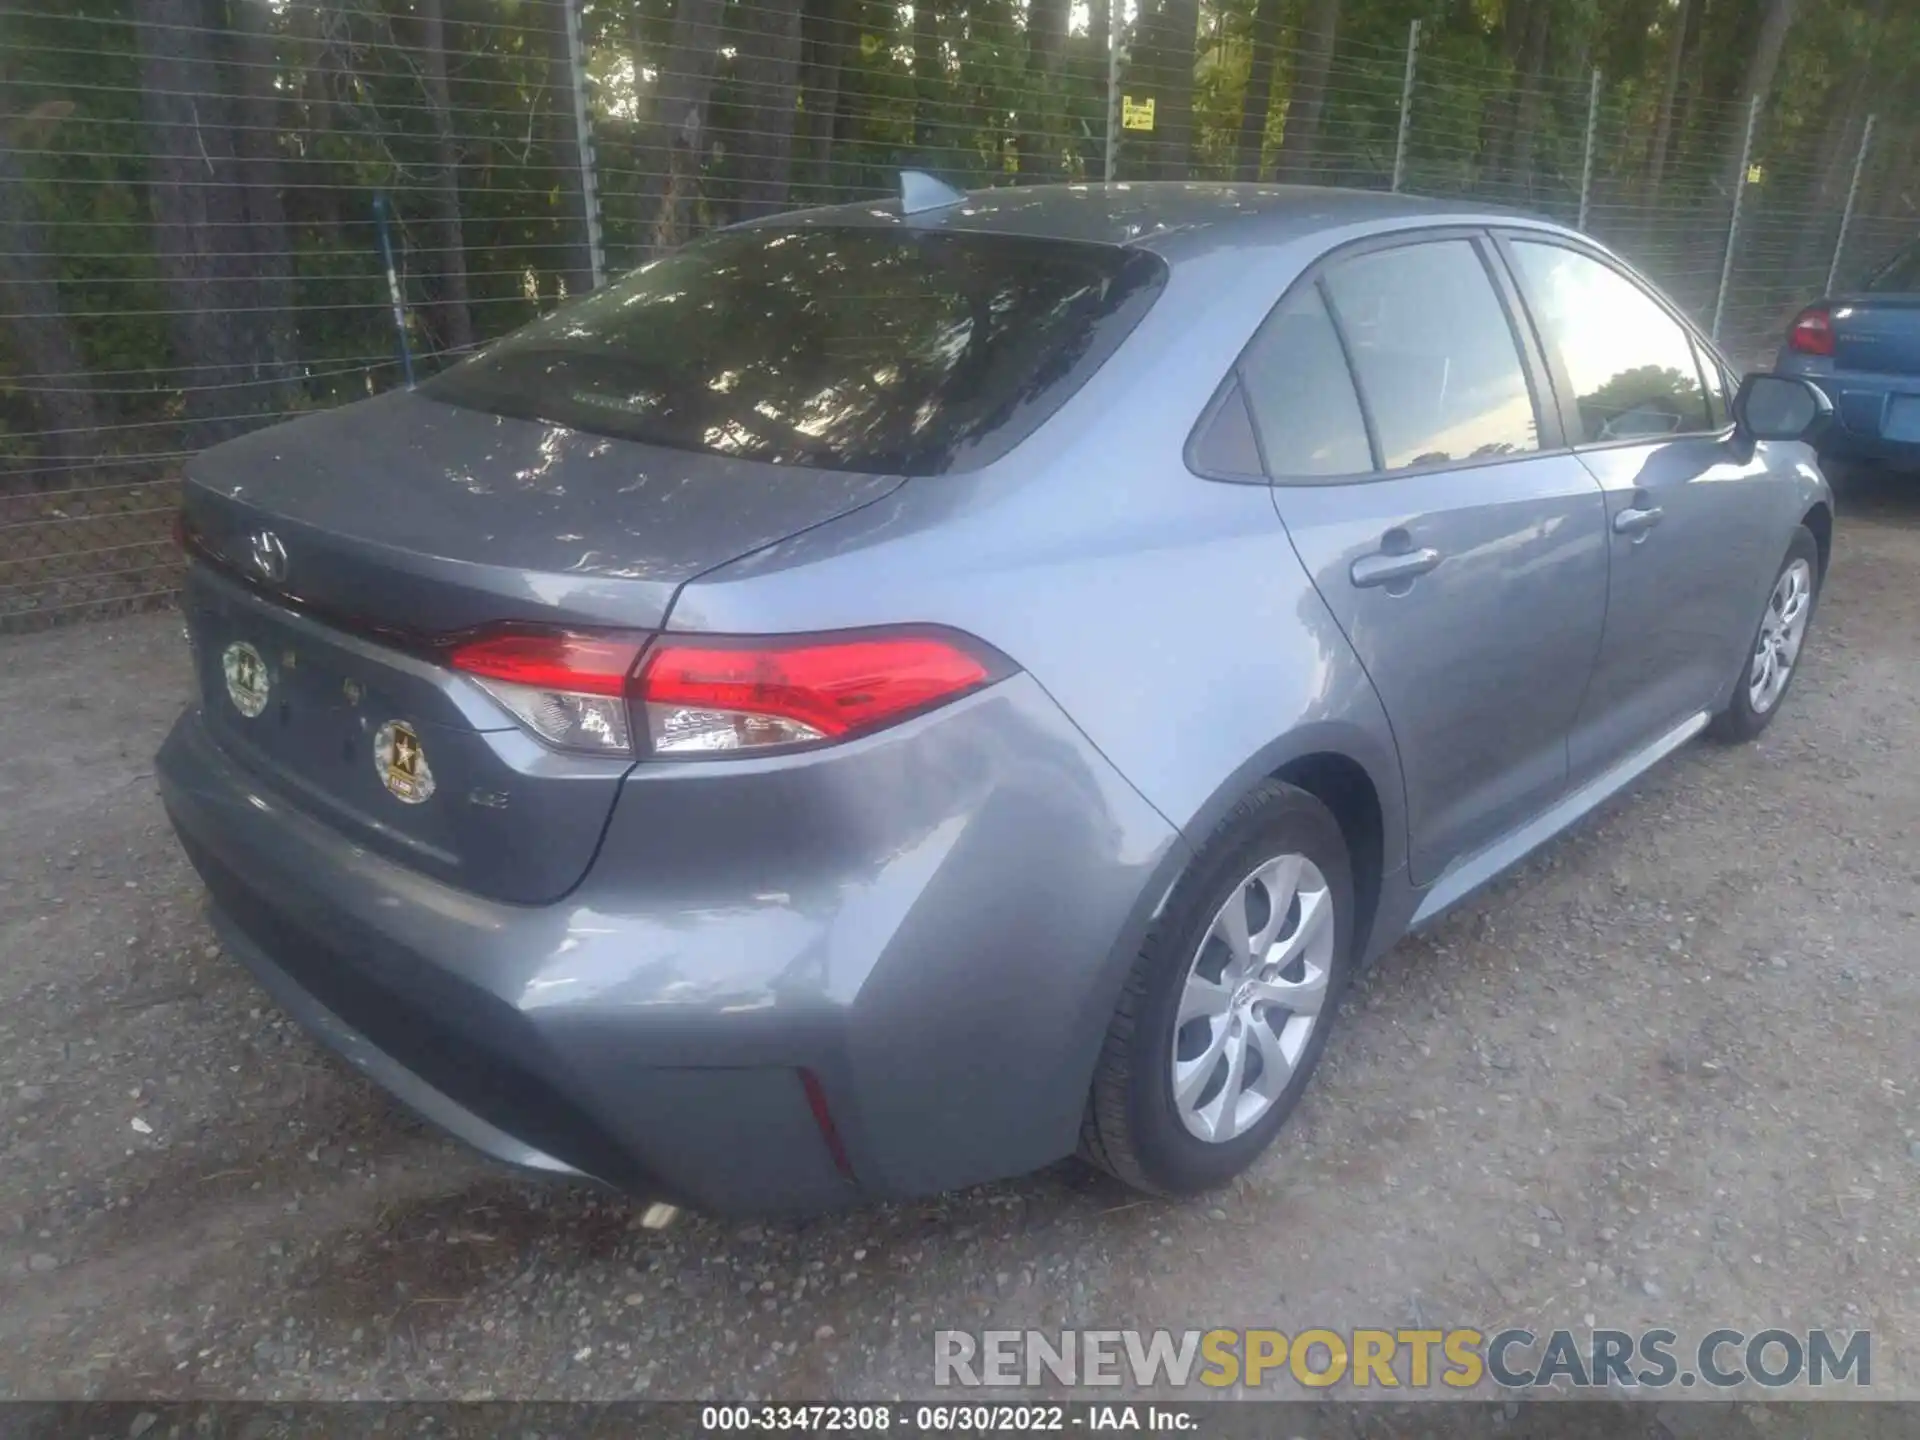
pixel 483 805
pixel 1903 418
pixel 363 736
pixel 317 674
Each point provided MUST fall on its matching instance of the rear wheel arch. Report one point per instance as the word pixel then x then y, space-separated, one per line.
pixel 1819 520
pixel 1343 785
pixel 1136 1124
pixel 1343 768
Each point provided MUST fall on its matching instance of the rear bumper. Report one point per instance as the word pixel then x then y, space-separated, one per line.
pixel 379 1066
pixel 1839 444
pixel 1862 410
pixel 932 924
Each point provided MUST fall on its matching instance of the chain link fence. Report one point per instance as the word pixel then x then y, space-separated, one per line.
pixel 215 214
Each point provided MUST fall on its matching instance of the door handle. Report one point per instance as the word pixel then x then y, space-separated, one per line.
pixel 1386 568
pixel 1637 521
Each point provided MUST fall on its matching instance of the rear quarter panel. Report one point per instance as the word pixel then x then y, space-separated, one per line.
pixel 1166 614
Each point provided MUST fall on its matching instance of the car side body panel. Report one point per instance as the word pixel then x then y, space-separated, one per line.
pixel 1167 614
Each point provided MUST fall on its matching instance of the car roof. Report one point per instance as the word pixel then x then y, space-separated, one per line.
pixel 1169 216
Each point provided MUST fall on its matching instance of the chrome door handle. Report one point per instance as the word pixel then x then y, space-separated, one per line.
pixel 1384 568
pixel 1632 521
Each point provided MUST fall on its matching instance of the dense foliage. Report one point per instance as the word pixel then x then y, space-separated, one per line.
pixel 188 188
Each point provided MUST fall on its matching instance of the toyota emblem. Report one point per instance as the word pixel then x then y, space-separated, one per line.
pixel 268 555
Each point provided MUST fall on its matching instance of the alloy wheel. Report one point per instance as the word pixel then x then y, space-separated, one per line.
pixel 1253 995
pixel 1782 628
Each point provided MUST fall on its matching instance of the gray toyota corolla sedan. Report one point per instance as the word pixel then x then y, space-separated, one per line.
pixel 892 696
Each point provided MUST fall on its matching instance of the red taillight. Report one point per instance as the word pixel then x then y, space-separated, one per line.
pixel 570 689
pixel 750 694
pixel 553 660
pixel 580 691
pixel 1812 332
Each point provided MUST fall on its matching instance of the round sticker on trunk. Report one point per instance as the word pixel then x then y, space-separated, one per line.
pixel 247 682
pixel 402 762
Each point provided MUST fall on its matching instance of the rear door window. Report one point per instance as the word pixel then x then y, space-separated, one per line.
pixel 1435 355
pixel 1301 394
pixel 843 348
pixel 1631 364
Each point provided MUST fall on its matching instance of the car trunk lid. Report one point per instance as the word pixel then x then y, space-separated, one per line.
pixel 343 552
pixel 1878 334
pixel 409 514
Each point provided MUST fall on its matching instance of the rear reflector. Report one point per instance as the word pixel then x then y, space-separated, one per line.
pixel 568 688
pixel 580 691
pixel 735 695
pixel 1812 332
pixel 823 1117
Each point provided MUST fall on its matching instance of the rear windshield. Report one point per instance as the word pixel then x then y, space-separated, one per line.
pixel 869 349
pixel 1900 275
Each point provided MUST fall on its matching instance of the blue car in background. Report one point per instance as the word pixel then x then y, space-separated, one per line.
pixel 1863 349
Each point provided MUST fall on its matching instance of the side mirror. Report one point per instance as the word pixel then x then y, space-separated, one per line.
pixel 1781 407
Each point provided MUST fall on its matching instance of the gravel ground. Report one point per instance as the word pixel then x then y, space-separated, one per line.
pixel 1658 1077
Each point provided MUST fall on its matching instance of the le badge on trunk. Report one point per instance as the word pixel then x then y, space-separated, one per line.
pixel 402 763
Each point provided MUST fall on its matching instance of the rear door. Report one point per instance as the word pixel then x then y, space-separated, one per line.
pixel 1691 520
pixel 1396 407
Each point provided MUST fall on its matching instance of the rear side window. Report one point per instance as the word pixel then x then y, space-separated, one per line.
pixel 1225 445
pixel 1631 363
pixel 866 349
pixel 1301 394
pixel 1900 275
pixel 1434 354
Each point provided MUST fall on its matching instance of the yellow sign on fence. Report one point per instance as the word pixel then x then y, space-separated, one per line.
pixel 1136 114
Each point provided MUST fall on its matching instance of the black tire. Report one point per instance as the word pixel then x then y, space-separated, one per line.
pixel 1740 722
pixel 1132 1129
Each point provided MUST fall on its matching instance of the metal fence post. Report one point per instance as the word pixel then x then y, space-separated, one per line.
pixel 1586 161
pixel 1733 220
pixel 1406 106
pixel 1853 194
pixel 382 213
pixel 1116 35
pixel 583 134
